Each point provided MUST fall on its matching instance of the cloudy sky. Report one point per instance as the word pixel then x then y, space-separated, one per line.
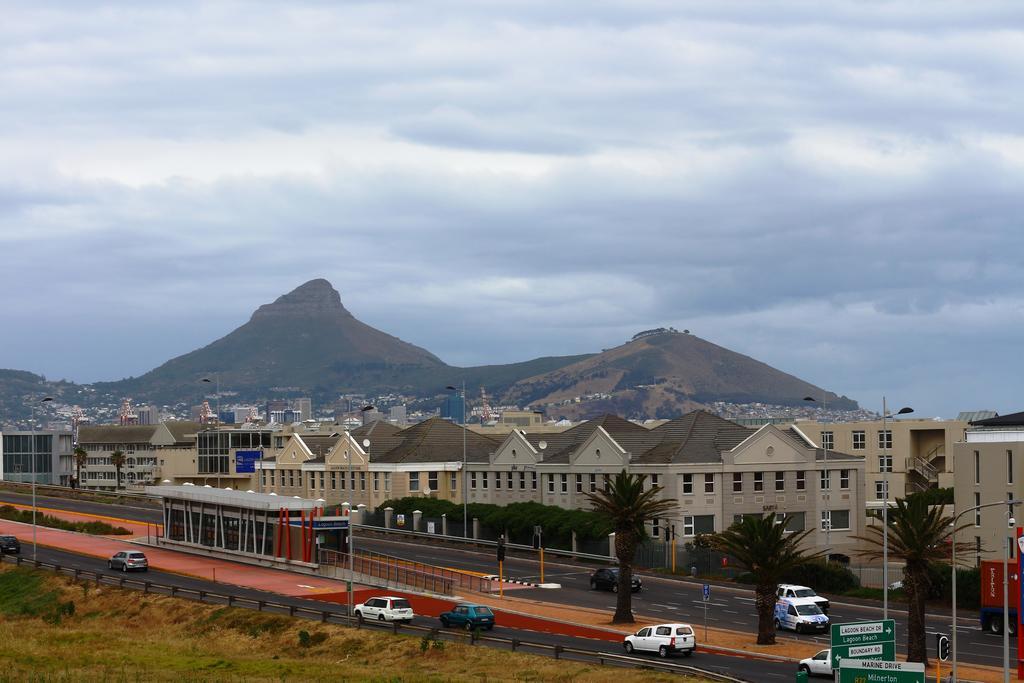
pixel 832 188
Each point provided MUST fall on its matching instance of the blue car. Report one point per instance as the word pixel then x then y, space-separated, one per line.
pixel 469 617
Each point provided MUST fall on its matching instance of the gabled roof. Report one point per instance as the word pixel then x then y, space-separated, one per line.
pixel 116 434
pixel 700 436
pixel 183 431
pixel 375 429
pixel 319 446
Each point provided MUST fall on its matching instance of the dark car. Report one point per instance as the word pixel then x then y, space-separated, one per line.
pixel 129 560
pixel 607 579
pixel 469 617
pixel 10 544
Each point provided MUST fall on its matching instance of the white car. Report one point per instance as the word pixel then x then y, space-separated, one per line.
pixel 665 639
pixel 818 665
pixel 385 608
pixel 789 590
pixel 801 615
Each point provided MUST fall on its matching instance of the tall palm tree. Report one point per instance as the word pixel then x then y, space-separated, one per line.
pixel 81 457
pixel 627 506
pixel 919 535
pixel 763 547
pixel 117 460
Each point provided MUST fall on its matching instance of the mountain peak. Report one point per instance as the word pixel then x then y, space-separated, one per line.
pixel 314 298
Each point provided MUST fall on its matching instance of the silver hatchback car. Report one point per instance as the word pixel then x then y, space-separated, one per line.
pixel 129 560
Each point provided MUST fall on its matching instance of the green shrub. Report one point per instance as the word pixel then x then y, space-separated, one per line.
pixel 304 639
pixel 934 496
pixel 824 577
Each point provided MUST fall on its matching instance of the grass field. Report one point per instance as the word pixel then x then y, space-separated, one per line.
pixel 53 629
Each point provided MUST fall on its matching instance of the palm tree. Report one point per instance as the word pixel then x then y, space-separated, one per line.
pixel 627 506
pixel 763 547
pixel 81 457
pixel 919 535
pixel 117 460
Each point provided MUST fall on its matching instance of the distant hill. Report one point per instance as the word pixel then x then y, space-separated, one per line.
pixel 661 373
pixel 307 343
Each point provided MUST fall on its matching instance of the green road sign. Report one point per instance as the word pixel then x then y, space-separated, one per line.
pixel 883 651
pixel 864 633
pixel 875 671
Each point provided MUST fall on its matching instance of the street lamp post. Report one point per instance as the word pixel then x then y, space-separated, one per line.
pixel 828 479
pixel 465 493
pixel 33 437
pixel 351 527
pixel 1006 611
pixel 885 506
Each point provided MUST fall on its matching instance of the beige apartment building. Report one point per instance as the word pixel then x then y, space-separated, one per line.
pixel 915 454
pixel 989 468
pixel 148 450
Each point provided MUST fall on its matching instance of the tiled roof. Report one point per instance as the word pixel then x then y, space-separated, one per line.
pixel 115 434
pixel 1011 420
pixel 700 436
pixel 319 446
pixel 183 431
pixel 434 440
pixel 377 428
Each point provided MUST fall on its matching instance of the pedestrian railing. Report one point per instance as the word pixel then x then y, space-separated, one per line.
pixel 406 572
pixel 339 615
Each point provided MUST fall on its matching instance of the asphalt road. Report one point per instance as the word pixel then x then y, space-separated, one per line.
pixel 662 598
pixel 743 668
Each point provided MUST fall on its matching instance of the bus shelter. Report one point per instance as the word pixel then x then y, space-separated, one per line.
pixel 259 525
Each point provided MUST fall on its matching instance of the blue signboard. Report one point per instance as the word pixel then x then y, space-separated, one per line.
pixel 245 461
pixel 707 591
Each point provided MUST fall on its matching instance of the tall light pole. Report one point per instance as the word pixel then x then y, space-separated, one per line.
pixel 465 492
pixel 33 437
pixel 885 507
pixel 216 376
pixel 828 479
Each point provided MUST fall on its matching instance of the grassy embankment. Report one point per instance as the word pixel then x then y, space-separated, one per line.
pixel 96 528
pixel 52 629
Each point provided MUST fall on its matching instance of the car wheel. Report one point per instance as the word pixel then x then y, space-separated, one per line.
pixel 663 651
pixel 615 587
pixel 778 625
pixel 110 565
pixel 444 622
pixel 359 615
pixel 688 653
pixel 124 568
pixel 380 617
pixel 469 625
pixel 995 625
pixel 629 647
pixel 806 669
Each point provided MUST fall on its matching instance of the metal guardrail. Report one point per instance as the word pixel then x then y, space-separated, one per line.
pixel 389 571
pixel 67 492
pixel 480 542
pixel 341 617
pixel 451 578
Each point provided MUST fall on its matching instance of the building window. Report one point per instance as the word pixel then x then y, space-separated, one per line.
pixel 977 467
pixel 828 440
pixel 497 480
pixel 885 463
pixel 758 482
pixel 977 512
pixel 780 481
pixel 509 484
pixel 859 440
pixel 655 528
pixel 387 481
pixel 825 480
pixel 483 480
pixel 551 483
pixel 472 480
pixel 334 481
pixel 272 484
pixel 801 480
pixel 885 439
pixel 844 479
pixel 654 480
pixel 414 481
pixel 291 477
pixel 977 551
pixel 533 481
pixel 1009 467
pixel 698 524
pixel 709 483
pixel 431 482
pixel 376 481
pixel 352 481
pixel 792 521
pixel 453 481
pixel 522 481
pixel 593 483
pixel 687 484
pixel 737 482
pixel 362 481
pixel 880 490
pixel 579 483
pixel 565 483
pixel 836 520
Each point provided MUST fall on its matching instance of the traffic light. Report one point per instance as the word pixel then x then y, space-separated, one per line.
pixel 942 647
pixel 501 549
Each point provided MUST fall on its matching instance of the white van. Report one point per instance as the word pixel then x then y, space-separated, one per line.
pixel 789 590
pixel 801 615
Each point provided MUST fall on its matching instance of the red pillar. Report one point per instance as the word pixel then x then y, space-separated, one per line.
pixel 288 534
pixel 280 533
pixel 1019 604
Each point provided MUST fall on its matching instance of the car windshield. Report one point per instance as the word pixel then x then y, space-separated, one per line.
pixel 807 610
pixel 400 604
pixel 805 593
pixel 483 611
